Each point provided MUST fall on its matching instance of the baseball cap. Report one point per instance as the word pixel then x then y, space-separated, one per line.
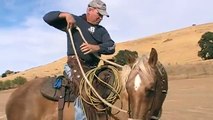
pixel 100 6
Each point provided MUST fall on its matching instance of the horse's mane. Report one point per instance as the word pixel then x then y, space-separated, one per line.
pixel 124 74
pixel 129 60
pixel 126 58
pixel 142 63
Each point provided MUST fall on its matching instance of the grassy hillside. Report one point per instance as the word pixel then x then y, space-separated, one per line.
pixel 177 51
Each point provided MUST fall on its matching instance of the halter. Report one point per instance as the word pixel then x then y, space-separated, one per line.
pixel 150 108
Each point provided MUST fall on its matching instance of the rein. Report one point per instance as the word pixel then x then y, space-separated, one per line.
pixel 83 73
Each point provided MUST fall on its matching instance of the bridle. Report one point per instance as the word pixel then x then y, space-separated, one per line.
pixel 151 106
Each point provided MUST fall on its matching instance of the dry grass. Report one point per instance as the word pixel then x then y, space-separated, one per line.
pixel 190 78
pixel 177 51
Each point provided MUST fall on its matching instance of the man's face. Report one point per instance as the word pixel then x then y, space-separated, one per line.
pixel 93 16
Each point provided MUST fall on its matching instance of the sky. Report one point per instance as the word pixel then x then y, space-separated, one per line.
pixel 26 41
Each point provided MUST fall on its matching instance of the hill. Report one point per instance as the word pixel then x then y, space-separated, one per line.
pixel 177 51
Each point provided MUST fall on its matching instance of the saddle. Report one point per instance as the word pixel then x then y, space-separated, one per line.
pixel 68 90
pixel 54 93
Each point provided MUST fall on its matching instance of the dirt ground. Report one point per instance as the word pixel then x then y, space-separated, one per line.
pixel 4 95
pixel 187 99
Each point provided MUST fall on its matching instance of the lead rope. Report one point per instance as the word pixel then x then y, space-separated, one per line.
pixel 83 73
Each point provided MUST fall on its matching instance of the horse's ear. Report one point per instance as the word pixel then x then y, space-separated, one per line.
pixel 153 57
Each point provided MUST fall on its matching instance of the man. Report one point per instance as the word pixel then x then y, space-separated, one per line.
pixel 98 38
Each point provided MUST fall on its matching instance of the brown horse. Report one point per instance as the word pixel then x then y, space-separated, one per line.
pixel 147 86
pixel 142 96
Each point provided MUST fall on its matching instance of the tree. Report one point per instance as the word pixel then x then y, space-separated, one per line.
pixel 206 44
pixel 124 57
pixel 4 75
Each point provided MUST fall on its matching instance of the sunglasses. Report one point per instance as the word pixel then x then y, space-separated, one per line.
pixel 99 14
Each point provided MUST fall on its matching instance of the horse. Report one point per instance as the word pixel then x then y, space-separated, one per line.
pixel 144 87
pixel 149 82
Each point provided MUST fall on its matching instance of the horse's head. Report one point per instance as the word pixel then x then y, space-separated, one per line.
pixel 141 87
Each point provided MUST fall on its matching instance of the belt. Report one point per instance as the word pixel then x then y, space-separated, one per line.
pixel 73 59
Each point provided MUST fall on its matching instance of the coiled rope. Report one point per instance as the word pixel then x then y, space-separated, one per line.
pixel 93 98
pixel 83 73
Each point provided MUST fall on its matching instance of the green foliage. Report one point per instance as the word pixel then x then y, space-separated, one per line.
pixel 124 57
pixel 19 80
pixel 206 44
pixel 4 75
pixel 8 72
pixel 4 85
pixel 8 84
pixel 1 85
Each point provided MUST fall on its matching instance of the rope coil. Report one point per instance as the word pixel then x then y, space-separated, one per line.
pixel 93 98
pixel 83 73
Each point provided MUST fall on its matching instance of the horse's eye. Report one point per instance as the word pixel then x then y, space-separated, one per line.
pixel 150 92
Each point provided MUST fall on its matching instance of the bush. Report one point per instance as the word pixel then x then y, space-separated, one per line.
pixel 4 85
pixel 4 75
pixel 8 84
pixel 1 85
pixel 206 44
pixel 19 80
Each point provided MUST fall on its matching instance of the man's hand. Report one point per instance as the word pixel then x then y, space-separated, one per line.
pixel 89 48
pixel 69 18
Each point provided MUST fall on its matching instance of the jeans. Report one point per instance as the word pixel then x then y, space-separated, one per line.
pixel 67 70
pixel 79 113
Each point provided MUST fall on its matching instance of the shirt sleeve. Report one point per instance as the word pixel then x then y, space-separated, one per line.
pixel 108 45
pixel 52 18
